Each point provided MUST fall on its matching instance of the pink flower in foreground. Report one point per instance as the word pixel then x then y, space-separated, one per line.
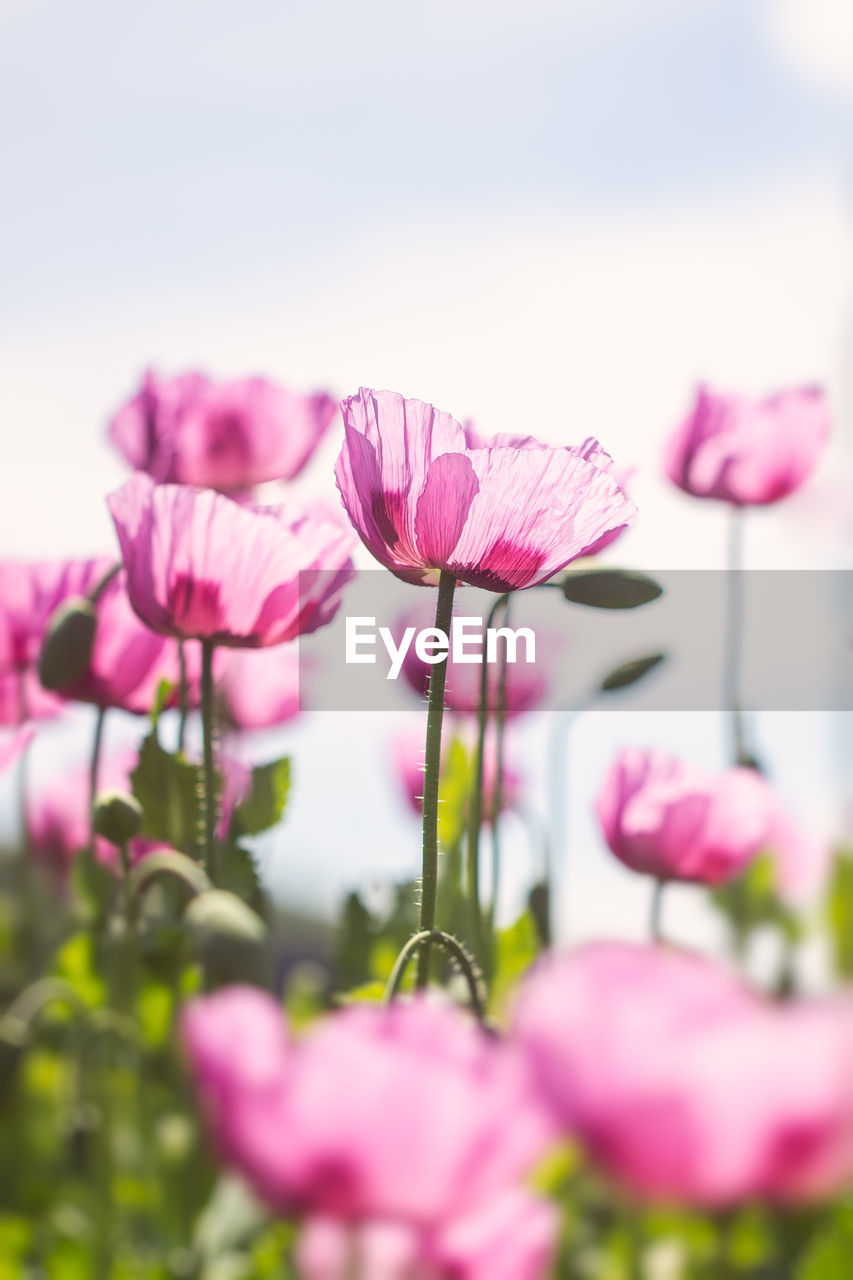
pixel 259 689
pixel 406 1115
pixel 200 566
pixel 59 821
pixel 503 518
pixel 229 435
pixel 666 818
pixel 685 1086
pixel 409 753
pixel 511 1238
pixel 748 451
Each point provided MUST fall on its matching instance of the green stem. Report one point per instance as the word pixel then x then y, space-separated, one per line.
pixel 734 637
pixel 184 697
pixel 207 725
pixel 432 772
pixel 656 917
pixel 418 942
pixel 497 798
pixel 475 815
pixel 94 770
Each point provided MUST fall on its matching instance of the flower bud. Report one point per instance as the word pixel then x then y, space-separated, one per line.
pixel 117 817
pixel 68 643
pixel 229 938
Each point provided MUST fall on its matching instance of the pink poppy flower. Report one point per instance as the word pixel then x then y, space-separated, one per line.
pixel 259 689
pixel 230 435
pixel 30 592
pixel 405 1114
pixel 59 821
pixel 423 501
pixel 200 566
pixel 668 1070
pixel 512 1237
pixel 748 452
pixel 409 754
pixel 669 819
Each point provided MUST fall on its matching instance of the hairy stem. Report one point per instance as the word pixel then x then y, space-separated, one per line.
pixel 432 772
pixel 455 949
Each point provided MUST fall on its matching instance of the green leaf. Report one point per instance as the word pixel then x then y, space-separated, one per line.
pixel 265 804
pixel 167 787
pixel 828 1257
pixel 839 913
pixel 453 793
pixel 610 588
pixel 515 950
pixel 629 673
pixel 77 963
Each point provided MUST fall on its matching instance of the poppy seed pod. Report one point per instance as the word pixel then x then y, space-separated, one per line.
pixel 68 644
pixel 117 816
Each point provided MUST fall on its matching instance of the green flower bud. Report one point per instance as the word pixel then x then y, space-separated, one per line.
pixel 67 647
pixel 118 816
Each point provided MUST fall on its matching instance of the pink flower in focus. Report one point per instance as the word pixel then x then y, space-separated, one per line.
pixel 684 1085
pixel 590 449
pixel 503 518
pixel 200 566
pixel 59 821
pixel 669 819
pixel 259 689
pixel 405 1114
pixel 229 435
pixel 748 452
pixel 409 754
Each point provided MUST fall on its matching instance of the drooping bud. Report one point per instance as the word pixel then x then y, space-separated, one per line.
pixel 68 643
pixel 117 816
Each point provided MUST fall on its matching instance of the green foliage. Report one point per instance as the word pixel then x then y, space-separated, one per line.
pixel 515 950
pixel 167 787
pixel 610 588
pixel 265 804
pixel 830 1255
pixel 839 913
pixel 752 902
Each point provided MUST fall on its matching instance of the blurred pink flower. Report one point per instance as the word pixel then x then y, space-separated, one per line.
pixel 230 435
pixel 669 819
pixel 30 592
pixel 511 1238
pixel 13 745
pixel 200 566
pixel 409 753
pixel 684 1085
pixel 59 821
pixel 259 689
pixel 748 451
pixel 405 1114
pixel 527 684
pixel 503 518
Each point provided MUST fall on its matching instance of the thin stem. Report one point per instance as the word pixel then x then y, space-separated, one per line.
pixel 733 651
pixel 209 772
pixel 432 771
pixel 418 942
pixel 94 770
pixel 475 815
pixel 184 695
pixel 656 917
pixel 497 798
